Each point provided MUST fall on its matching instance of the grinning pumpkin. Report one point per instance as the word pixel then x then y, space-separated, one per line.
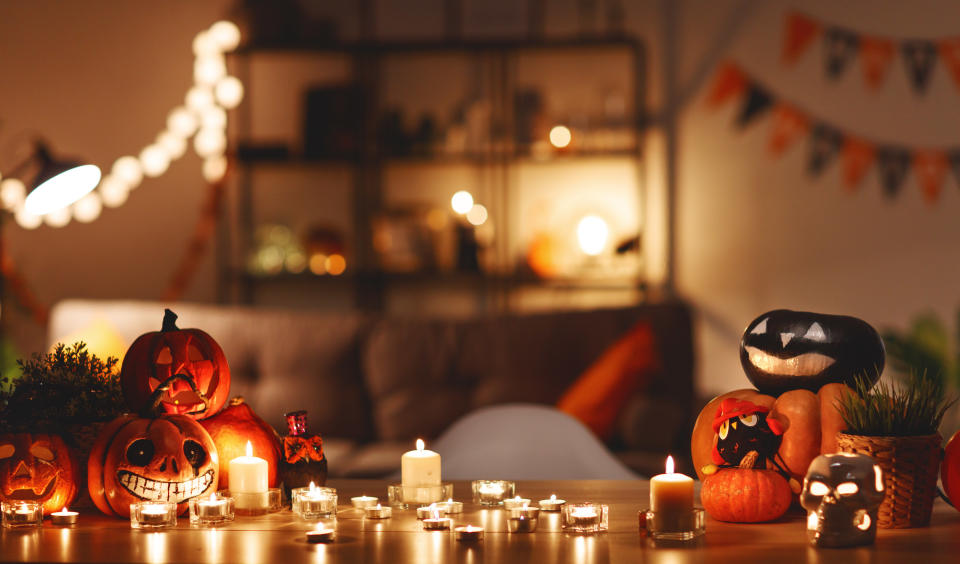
pixel 809 421
pixel 233 427
pixel 38 467
pixel 167 458
pixel 745 495
pixel 187 364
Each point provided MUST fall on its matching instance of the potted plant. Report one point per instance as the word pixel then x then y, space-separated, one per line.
pixel 897 426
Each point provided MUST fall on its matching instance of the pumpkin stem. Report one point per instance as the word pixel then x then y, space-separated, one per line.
pixel 169 321
pixel 153 406
pixel 749 459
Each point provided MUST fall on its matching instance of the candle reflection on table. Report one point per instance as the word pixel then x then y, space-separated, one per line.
pixel 157 548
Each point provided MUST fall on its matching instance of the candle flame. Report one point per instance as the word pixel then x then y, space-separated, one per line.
pixel 313 487
pixel 435 513
pixel 450 500
pixel 553 497
pixel 249 449
pixel 213 497
pixel 378 507
pixel 64 510
pixel 670 465
pixel 420 445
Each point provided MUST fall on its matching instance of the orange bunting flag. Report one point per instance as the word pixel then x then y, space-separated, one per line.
pixel 788 124
pixel 876 55
pixel 857 157
pixel 950 53
pixel 930 167
pixel 730 81
pixel 801 31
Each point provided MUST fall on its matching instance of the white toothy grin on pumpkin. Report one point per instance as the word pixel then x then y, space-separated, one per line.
pixel 808 364
pixel 155 490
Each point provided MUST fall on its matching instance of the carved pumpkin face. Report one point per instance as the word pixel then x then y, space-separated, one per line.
pixel 155 358
pixel 37 468
pixel 170 458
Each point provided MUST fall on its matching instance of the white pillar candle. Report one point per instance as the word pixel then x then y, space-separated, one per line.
pixel 248 475
pixel 671 498
pixel 420 468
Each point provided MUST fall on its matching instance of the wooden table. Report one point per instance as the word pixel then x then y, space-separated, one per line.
pixel 280 537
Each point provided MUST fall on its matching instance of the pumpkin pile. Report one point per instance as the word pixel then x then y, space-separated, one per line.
pixel 752 447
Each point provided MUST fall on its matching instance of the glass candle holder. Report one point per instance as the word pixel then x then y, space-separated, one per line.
pixel 254 503
pixel 402 497
pixel 469 533
pixel 314 503
pixel 153 515
pixel 514 502
pixel 213 510
pixel 364 501
pixel 672 527
pixel 584 517
pixel 492 492
pixel 19 514
pixel 522 519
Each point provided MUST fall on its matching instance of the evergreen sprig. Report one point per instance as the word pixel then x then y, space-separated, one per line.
pixel 65 387
pixel 912 408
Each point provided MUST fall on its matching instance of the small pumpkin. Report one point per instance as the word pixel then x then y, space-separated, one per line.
pixel 809 422
pixel 745 495
pixel 785 350
pixel 38 467
pixel 164 458
pixel 233 427
pixel 187 363
pixel 950 470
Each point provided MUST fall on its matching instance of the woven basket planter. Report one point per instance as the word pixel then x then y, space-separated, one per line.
pixel 910 467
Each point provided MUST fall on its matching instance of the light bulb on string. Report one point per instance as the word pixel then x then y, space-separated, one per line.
pixel 229 92
pixel 204 43
pixel 26 219
pixel 181 122
pixel 213 117
pixel 154 160
pixel 59 217
pixel 210 142
pixel 214 168
pixel 12 193
pixel 113 192
pixel 88 208
pixel 208 69
pixel 198 99
pixel 174 145
pixel 225 34
pixel 128 170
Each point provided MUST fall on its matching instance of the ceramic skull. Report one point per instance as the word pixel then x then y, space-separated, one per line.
pixel 842 493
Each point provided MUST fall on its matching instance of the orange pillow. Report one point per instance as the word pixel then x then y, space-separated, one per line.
pixel 604 388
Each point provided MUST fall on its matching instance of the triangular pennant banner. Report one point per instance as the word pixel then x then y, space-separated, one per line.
pixel 788 124
pixel 875 56
pixel 950 53
pixel 919 57
pixel 840 46
pixel 930 166
pixel 893 163
pixel 954 157
pixel 857 156
pixel 728 82
pixel 755 103
pixel 824 144
pixel 801 31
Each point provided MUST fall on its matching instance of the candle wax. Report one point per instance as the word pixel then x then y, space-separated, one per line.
pixel 671 499
pixel 420 468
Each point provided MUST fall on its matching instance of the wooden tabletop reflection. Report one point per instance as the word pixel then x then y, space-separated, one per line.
pixel 281 537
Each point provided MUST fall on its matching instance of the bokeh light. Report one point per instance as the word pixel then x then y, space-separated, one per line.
pixel 560 136
pixel 592 234
pixel 461 202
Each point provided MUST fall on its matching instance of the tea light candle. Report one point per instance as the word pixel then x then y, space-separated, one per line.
pixel 584 517
pixel 364 501
pixel 522 519
pixel 451 506
pixel 552 504
pixel 22 513
pixel 321 535
pixel 420 468
pixel 469 533
pixel 211 508
pixel 671 499
pixel 515 502
pixel 378 512
pixel 249 475
pixel 153 514
pixel 437 524
pixel 432 510
pixel 64 517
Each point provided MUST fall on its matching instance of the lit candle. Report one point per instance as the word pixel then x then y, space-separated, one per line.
pixel 420 468
pixel 452 507
pixel 515 502
pixel 211 508
pixel 469 533
pixel 671 499
pixel 249 475
pixel 436 522
pixel 364 501
pixel 552 504
pixel 522 519
pixel 321 535
pixel 432 510
pixel 378 512
pixel 153 514
pixel 64 517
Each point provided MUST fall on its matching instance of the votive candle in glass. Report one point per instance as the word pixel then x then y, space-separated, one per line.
pixel 218 508
pixel 153 514
pixel 22 514
pixel 492 492
pixel 584 517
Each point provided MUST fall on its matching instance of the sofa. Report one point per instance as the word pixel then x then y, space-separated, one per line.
pixel 372 383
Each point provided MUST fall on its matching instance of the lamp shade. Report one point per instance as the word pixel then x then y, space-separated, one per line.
pixel 59 183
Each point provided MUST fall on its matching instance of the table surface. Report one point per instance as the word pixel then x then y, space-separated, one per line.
pixel 280 537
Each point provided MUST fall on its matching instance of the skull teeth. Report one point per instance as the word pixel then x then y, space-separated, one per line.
pixel 155 490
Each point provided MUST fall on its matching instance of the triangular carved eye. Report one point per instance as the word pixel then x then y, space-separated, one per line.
pixel 815 333
pixel 164 356
pixel 761 327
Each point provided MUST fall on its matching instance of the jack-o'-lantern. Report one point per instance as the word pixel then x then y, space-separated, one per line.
pixel 167 458
pixel 187 364
pixel 38 467
pixel 787 350
pixel 236 425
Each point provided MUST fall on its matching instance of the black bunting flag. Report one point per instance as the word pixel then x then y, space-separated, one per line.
pixel 894 163
pixel 825 143
pixel 755 103
pixel 919 57
pixel 840 46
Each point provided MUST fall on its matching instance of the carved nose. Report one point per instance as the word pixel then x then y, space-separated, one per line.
pixel 785 338
pixel 22 471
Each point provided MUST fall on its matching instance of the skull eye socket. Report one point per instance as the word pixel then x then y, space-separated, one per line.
pixel 848 488
pixel 195 453
pixel 819 489
pixel 749 420
pixel 761 327
pixel 140 452
pixel 165 356
pixel 6 451
pixel 724 429
pixel 42 452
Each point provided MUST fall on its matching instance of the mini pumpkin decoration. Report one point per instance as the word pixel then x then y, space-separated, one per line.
pixel 187 363
pixel 233 427
pixel 38 467
pixel 746 494
pixel 165 458
pixel 950 470
pixel 787 350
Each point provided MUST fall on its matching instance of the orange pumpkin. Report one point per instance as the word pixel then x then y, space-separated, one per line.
pixel 38 467
pixel 187 365
pixel 167 458
pixel 745 495
pixel 233 427
pixel 810 422
pixel 950 470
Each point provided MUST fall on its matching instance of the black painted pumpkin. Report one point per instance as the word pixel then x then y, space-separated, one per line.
pixel 788 350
